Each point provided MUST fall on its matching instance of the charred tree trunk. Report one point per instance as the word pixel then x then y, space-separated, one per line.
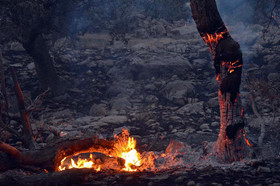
pixel 228 63
pixel 37 48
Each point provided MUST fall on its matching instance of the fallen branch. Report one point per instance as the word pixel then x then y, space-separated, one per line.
pixel 35 105
pixel 28 140
pixel 49 158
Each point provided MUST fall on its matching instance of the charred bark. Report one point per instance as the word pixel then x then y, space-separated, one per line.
pixel 50 157
pixel 228 63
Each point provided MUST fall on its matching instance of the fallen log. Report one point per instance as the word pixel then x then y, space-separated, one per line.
pixel 49 158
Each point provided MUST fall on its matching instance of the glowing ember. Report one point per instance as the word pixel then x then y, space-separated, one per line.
pixel 81 163
pixel 232 65
pixel 213 38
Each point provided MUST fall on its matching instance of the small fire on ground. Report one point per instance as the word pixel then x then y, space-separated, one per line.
pixel 124 152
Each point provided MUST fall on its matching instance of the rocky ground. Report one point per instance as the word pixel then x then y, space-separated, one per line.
pixel 160 86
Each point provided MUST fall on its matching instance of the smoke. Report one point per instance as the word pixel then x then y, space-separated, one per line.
pixel 240 18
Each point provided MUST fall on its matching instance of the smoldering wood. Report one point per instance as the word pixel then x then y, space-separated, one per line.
pixel 224 51
pixel 49 158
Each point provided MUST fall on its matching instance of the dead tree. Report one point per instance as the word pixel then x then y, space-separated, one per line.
pixel 228 63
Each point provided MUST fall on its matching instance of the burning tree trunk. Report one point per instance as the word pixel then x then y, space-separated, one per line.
pixel 228 63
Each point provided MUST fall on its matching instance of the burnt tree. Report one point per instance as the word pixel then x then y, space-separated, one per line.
pixel 227 56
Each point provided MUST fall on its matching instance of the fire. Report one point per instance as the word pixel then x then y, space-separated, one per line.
pixel 81 163
pixel 124 147
pixel 232 65
pixel 213 38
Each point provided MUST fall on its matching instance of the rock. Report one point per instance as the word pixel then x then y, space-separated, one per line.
pixel 177 91
pixel 50 138
pixel 120 104
pixel 192 108
pixel 157 30
pixel 273 77
pixel 263 169
pixel 150 87
pixel 200 63
pixel 180 179
pixel 190 183
pixel 81 121
pixel 213 102
pixel 16 46
pixel 89 72
pixel 215 124
pixel 31 66
pixel 98 110
pixel 115 120
pixel 204 126
pixel 151 99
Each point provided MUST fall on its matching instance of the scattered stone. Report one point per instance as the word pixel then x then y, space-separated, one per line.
pixel 190 183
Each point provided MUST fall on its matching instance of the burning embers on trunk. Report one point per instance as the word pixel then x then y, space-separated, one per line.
pixel 211 39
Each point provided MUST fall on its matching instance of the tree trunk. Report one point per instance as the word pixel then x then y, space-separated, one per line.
pixel 37 48
pixel 228 63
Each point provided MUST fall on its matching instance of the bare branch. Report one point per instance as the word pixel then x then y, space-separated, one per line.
pixel 27 130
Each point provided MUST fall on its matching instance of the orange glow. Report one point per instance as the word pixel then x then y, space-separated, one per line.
pixel 247 141
pixel 213 38
pixel 231 66
pixel 124 147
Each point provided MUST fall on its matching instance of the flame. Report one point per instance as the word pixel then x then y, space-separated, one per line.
pixel 231 66
pixel 124 147
pixel 213 38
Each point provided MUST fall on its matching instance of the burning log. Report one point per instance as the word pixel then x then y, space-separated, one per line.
pixel 117 154
pixel 228 63
pixel 50 157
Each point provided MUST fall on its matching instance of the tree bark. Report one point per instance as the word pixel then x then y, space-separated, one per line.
pixel 228 63
pixel 37 48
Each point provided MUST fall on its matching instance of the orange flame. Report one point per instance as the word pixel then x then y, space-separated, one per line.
pixel 124 147
pixel 213 38
pixel 232 65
